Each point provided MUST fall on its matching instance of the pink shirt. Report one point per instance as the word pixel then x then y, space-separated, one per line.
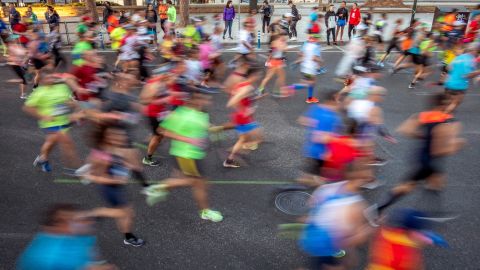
pixel 206 49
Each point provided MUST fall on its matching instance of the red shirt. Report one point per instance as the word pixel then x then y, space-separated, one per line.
pixel 153 109
pixel 472 30
pixel 242 115
pixel 85 75
pixel 21 28
pixel 354 16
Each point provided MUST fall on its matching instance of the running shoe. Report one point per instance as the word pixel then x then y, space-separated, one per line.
pixel 135 242
pixel 155 194
pixel 150 162
pixel 44 165
pixel 341 253
pixel 411 86
pixel 322 70
pixel 83 170
pixel 378 162
pixel 260 90
pixel 230 163
pixel 69 172
pixel 380 64
pixel 311 100
pixel 209 214
pixel 24 96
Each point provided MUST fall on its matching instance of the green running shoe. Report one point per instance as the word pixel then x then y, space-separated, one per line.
pixel 155 194
pixel 211 215
pixel 341 253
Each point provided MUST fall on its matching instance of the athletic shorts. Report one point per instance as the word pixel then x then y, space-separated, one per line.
pixel 426 61
pixel 452 92
pixel 417 59
pixel 406 53
pixel 308 77
pixel 114 195
pixel 243 129
pixel 276 63
pixel 341 23
pixel 38 64
pixel 313 166
pixel 189 167
pixel 321 261
pixel 54 129
pixel 154 124
pixel 428 169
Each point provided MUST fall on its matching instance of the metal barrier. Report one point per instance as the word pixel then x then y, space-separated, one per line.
pixel 67 30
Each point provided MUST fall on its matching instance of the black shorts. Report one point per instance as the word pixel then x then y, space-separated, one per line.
pixel 38 64
pixel 406 53
pixel 444 68
pixel 313 166
pixel 114 195
pixel 318 263
pixel 417 59
pixel 454 92
pixel 154 124
pixel 426 61
pixel 427 169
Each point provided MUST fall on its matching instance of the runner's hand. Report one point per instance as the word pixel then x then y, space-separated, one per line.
pixel 197 142
pixel 391 139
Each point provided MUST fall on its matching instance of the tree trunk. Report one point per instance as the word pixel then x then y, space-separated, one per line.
pixel 183 12
pixel 92 8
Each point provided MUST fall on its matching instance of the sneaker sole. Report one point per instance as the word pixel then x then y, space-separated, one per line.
pixel 130 244
pixel 230 166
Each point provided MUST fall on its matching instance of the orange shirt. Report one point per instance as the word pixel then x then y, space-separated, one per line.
pixel 113 23
pixel 162 11
pixel 449 20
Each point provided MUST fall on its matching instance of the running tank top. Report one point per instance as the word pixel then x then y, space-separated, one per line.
pixel 240 116
pixel 429 120
pixel 152 109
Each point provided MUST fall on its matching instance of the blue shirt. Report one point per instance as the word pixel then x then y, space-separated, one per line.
pixel 460 67
pixel 55 251
pixel 325 120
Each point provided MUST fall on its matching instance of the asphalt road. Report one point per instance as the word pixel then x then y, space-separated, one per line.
pixel 178 239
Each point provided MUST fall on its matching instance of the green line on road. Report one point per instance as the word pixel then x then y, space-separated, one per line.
pixel 214 182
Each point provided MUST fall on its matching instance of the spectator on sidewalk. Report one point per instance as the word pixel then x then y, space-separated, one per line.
pixel 228 16
pixel 113 21
pixel 152 18
pixel 162 13
pixel 330 23
pixel 172 16
pixel 13 16
pixel 354 20
pixel 342 16
pixel 267 11
pixel 296 17
pixel 107 12
pixel 52 18
pixel 32 16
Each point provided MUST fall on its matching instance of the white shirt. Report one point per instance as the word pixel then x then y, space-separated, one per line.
pixel 310 51
pixel 194 70
pixel 360 109
pixel 245 37
pixel 129 49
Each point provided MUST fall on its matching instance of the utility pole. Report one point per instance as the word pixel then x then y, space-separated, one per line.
pixel 414 10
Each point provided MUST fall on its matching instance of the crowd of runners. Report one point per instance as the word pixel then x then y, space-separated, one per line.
pixel 341 125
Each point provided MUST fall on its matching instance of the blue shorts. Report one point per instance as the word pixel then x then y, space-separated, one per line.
pixel 114 195
pixel 242 129
pixel 56 128
pixel 341 22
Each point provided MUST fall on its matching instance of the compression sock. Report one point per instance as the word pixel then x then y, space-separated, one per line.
pixel 310 91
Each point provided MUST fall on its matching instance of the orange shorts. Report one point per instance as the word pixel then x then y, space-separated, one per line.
pixel 275 63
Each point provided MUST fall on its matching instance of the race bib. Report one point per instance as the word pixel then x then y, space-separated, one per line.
pixel 61 109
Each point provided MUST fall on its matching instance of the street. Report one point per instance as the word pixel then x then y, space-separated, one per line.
pixel 247 238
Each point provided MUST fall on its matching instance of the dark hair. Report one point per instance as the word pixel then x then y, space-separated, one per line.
pixel 290 2
pixel 329 95
pixel 169 2
pixel 51 216
pixel 344 2
pixel 265 2
pixel 228 3
pixel 356 4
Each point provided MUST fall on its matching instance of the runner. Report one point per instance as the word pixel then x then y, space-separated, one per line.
pixel 242 101
pixel 110 170
pixel 394 41
pixel 187 127
pixel 52 105
pixel 311 61
pixel 336 226
pixel 38 53
pixel 17 60
pixel 275 64
pixel 461 70
pixel 438 132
